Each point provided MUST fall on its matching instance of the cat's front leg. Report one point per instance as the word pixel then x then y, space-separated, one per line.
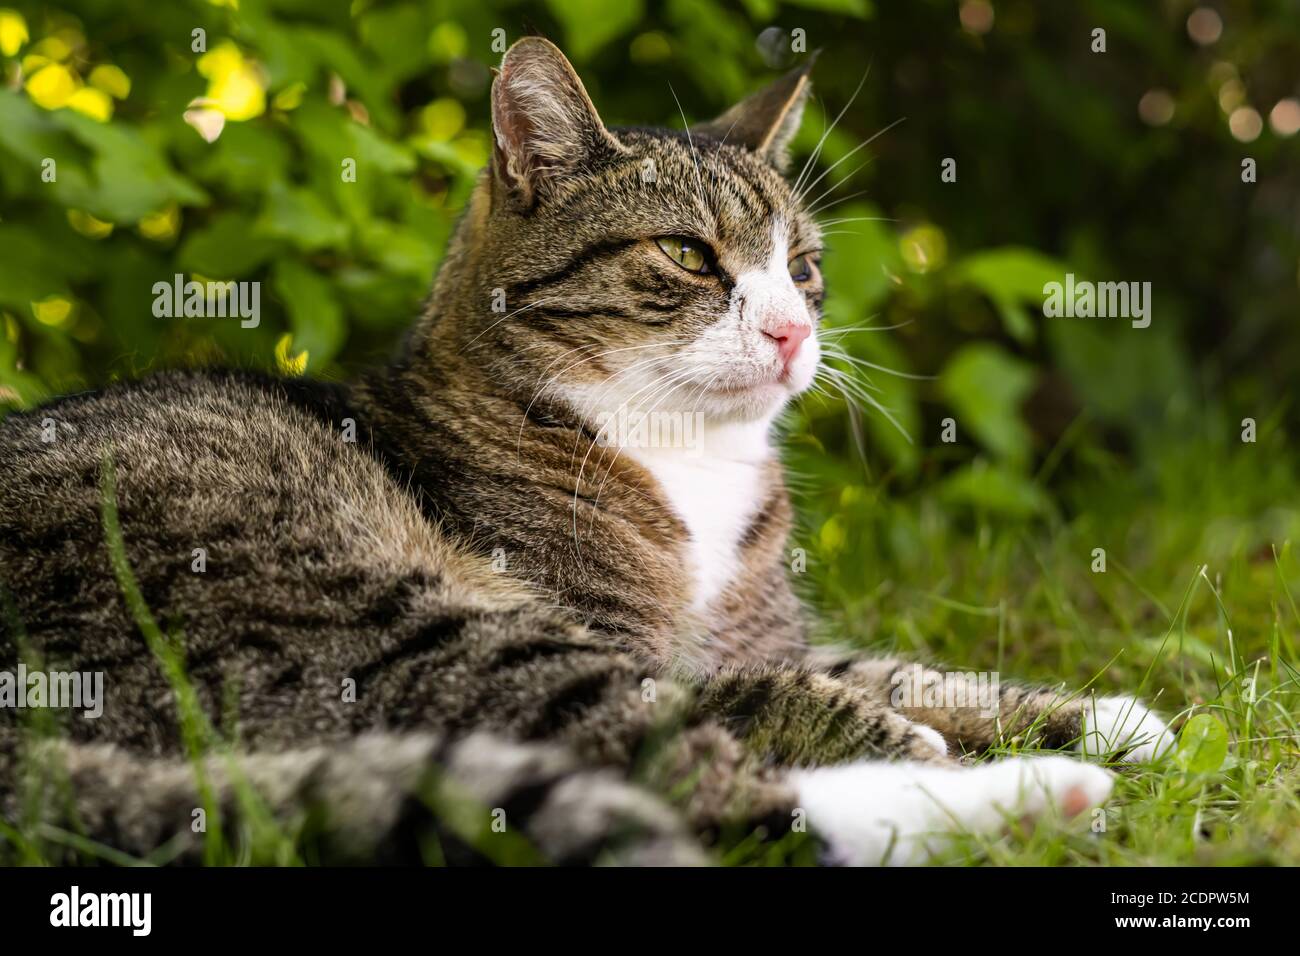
pixel 899 810
pixel 797 717
pixel 975 710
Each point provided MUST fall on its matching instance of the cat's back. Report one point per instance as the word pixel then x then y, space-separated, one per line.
pixel 185 446
pixel 241 498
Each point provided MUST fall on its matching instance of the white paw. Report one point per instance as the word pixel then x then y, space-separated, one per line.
pixel 1124 724
pixel 902 813
pixel 932 737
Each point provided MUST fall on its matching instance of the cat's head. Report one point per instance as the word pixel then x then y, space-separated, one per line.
pixel 647 269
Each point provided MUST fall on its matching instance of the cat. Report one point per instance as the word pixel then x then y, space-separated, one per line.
pixel 454 572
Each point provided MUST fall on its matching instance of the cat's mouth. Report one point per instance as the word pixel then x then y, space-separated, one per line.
pixel 780 380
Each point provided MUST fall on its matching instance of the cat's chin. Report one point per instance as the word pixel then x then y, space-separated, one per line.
pixel 748 403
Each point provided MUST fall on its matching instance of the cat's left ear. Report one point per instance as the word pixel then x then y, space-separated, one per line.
pixel 543 123
pixel 766 121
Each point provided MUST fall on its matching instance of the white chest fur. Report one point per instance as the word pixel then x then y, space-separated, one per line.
pixel 715 489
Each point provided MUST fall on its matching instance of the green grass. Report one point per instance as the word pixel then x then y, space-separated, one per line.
pixel 1196 612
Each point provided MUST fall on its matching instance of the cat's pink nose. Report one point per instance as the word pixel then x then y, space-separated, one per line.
pixel 788 336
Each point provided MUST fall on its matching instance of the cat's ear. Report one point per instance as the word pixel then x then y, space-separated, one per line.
pixel 766 121
pixel 543 123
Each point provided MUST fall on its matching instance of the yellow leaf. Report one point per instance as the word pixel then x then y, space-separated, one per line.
pixel 93 103
pixel 443 118
pixel 924 248
pixel 52 86
pixel 472 148
pixel 13 32
pixel 52 311
pixel 289 364
pixel 448 42
pixel 239 95
pixel 833 537
pixel 222 58
pixel 162 225
pixel 88 225
pixel 53 47
pixel 851 495
pixel 234 84
pixel 111 80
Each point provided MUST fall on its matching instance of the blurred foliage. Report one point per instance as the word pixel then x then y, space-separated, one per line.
pixel 227 159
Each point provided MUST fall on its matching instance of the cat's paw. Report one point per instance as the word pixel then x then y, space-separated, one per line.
pixel 1124 725
pixel 931 739
pixel 902 813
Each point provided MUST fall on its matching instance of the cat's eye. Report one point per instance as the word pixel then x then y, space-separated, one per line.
pixel 801 268
pixel 687 253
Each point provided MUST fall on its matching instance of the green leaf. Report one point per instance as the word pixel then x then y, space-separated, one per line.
pixel 854 8
pixel 107 169
pixel 226 248
pixel 1202 744
pixel 18 388
pixel 323 132
pixel 32 268
pixel 315 315
pixel 301 217
pixel 399 249
pixel 131 176
pixel 590 24
pixel 994 489
pixel 373 152
pixel 364 82
pixel 859 264
pixel 31 136
pixel 1012 278
pixel 286 58
pixel 248 158
pixel 399 37
pixel 379 299
pixel 1122 374
pixel 712 41
pixel 985 386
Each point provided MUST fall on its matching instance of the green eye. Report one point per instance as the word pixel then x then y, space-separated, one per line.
pixel 687 253
pixel 801 268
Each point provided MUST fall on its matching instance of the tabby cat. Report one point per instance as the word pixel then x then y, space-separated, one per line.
pixel 445 578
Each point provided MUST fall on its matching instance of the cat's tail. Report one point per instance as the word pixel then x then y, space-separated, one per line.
pixel 378 798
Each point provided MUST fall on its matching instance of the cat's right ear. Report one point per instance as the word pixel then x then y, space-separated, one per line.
pixel 544 126
pixel 768 120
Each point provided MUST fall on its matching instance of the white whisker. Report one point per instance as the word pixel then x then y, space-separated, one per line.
pixel 865 143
